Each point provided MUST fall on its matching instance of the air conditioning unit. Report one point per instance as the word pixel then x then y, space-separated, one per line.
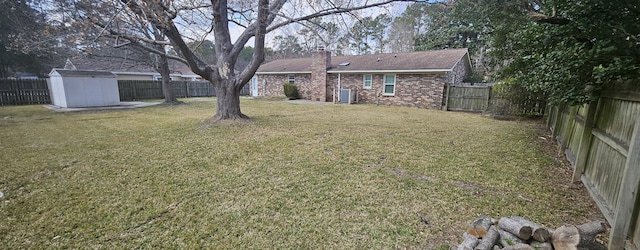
pixel 348 96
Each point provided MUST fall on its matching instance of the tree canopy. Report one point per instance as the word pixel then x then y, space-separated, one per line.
pixel 23 42
pixel 568 49
pixel 571 48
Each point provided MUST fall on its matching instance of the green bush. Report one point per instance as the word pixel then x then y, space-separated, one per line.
pixel 291 91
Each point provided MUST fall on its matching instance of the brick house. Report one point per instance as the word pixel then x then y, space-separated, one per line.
pixel 415 79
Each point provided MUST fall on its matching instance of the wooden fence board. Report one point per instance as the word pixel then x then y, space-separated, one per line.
pixel 468 98
pixel 628 191
pixel 585 142
pixel 24 92
pixel 604 148
pixel 36 91
pixel 618 120
pixel 574 141
pixel 139 90
pixel 472 98
pixel 604 169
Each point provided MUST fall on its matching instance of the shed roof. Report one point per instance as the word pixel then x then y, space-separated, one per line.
pixel 431 61
pixel 82 73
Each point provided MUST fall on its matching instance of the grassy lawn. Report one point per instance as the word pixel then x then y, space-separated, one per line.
pixel 296 176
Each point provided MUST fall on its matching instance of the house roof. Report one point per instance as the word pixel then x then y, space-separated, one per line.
pixel 82 73
pixel 122 65
pixel 421 61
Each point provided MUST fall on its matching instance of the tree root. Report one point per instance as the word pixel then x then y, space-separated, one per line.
pixel 214 121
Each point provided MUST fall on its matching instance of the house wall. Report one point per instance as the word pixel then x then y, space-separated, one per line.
pixel 305 88
pixel 271 85
pixel 460 72
pixel 412 90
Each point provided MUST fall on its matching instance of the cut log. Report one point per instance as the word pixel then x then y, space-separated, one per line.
pixel 541 245
pixel 582 237
pixel 468 243
pixel 540 233
pixel 518 228
pixel 507 239
pixel 480 226
pixel 489 240
pixel 519 246
pixel 565 238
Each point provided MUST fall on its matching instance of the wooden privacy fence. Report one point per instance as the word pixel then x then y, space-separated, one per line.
pixel 602 142
pixel 138 90
pixel 493 98
pixel 467 98
pixel 36 91
pixel 23 92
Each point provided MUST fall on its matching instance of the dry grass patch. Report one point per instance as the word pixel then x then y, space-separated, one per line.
pixel 296 176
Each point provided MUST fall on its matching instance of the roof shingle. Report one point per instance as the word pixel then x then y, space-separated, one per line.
pixel 433 60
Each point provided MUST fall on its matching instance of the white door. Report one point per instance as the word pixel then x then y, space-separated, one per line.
pixel 254 86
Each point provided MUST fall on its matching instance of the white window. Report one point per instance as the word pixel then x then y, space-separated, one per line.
pixel 389 85
pixel 292 78
pixel 368 79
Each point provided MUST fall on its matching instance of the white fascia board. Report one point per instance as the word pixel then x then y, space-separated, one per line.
pixel 135 73
pixel 401 71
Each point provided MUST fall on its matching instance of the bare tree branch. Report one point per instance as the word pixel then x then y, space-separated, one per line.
pixel 167 26
pixel 332 11
pixel 258 55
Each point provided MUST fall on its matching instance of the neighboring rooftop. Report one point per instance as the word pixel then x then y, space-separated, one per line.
pixel 433 60
pixel 68 72
pixel 121 65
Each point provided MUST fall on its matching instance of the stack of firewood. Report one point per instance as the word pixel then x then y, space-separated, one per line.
pixel 518 233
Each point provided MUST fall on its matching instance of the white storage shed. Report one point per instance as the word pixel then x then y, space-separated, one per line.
pixel 83 88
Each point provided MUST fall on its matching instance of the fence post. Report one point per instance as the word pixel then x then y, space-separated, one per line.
pixel 628 194
pixel 556 124
pixel 548 110
pixel 446 98
pixel 585 141
pixel 547 118
pixel 134 86
pixel 16 87
pixel 489 91
pixel 186 89
pixel 568 129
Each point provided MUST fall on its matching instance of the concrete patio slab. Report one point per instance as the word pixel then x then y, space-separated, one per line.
pixel 123 105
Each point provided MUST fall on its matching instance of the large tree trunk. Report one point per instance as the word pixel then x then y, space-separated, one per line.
pixel 228 101
pixel 167 86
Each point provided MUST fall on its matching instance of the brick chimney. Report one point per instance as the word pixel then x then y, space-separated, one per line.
pixel 321 60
